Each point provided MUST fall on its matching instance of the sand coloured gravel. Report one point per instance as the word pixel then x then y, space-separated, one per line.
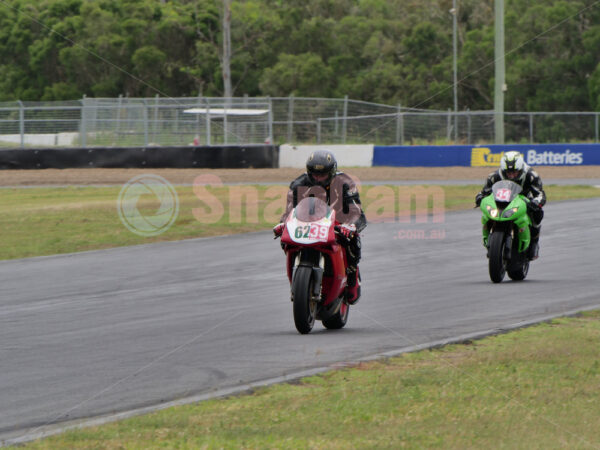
pixel 61 177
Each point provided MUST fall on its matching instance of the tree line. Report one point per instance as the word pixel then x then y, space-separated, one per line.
pixel 384 51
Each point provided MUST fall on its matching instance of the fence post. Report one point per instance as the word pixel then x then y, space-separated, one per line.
pixel 118 115
pixel 468 126
pixel 344 124
pixel 176 126
pixel 207 122
pixel 145 120
pixel 242 134
pixel 336 124
pixel 270 120
pixel 82 124
pixel 131 118
pixel 22 122
pixel 155 118
pixel 596 127
pixel 225 125
pixel 449 126
pixel 318 131
pixel 290 124
pixel 531 128
pixel 400 126
pixel 455 127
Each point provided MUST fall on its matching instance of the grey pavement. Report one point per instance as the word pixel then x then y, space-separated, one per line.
pixel 95 333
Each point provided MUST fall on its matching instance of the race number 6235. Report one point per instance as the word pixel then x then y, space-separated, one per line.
pixel 311 232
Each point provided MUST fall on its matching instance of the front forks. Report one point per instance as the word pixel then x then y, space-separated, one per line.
pixel 318 278
pixel 317 275
pixel 486 235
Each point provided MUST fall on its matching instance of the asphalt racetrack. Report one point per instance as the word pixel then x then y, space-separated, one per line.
pixel 100 332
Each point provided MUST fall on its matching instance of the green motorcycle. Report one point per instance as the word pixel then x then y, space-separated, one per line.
pixel 506 232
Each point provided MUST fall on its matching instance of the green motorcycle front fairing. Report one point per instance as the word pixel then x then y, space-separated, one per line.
pixel 515 211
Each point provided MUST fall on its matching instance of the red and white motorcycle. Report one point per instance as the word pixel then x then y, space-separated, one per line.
pixel 316 265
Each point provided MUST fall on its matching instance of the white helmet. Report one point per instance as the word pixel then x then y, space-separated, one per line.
pixel 512 166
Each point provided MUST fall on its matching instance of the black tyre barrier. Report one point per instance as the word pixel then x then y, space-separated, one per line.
pixel 214 157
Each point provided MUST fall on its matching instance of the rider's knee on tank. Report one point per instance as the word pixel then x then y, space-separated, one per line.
pixel 536 217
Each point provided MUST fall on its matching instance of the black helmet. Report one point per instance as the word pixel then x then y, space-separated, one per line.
pixel 321 162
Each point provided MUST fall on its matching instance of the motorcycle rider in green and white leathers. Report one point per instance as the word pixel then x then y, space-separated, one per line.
pixel 514 168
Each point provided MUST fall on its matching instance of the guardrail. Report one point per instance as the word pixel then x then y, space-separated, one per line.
pixel 214 157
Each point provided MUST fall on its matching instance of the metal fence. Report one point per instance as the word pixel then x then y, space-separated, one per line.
pixel 136 122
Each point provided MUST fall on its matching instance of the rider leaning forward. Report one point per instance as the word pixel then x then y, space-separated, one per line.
pixel 514 168
pixel 340 192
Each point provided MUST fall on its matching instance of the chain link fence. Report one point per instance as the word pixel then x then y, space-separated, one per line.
pixel 142 122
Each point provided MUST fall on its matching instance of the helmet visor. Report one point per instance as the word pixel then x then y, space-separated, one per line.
pixel 320 177
pixel 512 174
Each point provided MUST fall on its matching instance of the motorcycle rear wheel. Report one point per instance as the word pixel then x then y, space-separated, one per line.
pixel 519 272
pixel 339 319
pixel 304 307
pixel 497 265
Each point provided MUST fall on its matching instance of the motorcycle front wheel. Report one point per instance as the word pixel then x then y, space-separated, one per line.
pixel 304 307
pixel 497 265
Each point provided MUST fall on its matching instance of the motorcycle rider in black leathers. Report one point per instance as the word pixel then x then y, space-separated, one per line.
pixel 341 194
pixel 514 168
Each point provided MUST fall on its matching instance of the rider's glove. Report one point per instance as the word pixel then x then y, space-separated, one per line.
pixel 278 229
pixel 348 230
pixel 478 199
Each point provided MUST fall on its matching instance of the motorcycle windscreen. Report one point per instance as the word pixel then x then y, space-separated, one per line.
pixel 505 191
pixel 311 209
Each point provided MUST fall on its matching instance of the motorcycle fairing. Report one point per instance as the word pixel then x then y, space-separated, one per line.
pixel 335 266
pixel 310 226
pixel 505 204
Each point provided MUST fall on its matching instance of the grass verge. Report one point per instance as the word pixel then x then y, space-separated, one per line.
pixel 537 387
pixel 46 221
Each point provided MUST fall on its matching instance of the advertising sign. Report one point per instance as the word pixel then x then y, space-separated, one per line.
pixel 484 156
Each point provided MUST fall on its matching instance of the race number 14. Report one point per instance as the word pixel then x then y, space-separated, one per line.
pixel 503 195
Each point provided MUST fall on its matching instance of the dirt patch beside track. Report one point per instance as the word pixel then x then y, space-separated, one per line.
pixel 283 175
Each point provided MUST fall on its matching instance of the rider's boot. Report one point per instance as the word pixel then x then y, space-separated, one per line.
pixel 534 246
pixel 353 287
